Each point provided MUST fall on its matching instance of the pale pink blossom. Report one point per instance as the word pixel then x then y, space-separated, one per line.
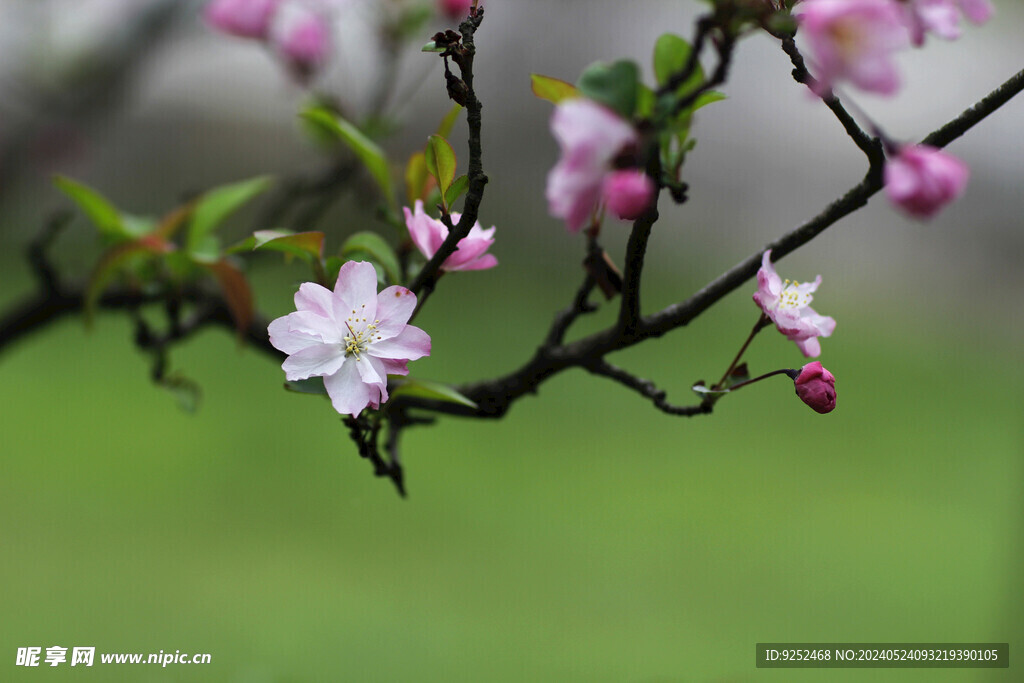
pixel 245 18
pixel 854 40
pixel 942 17
pixel 301 36
pixel 590 137
pixel 788 305
pixel 455 9
pixel 628 193
pixel 428 234
pixel 353 337
pixel 816 387
pixel 921 180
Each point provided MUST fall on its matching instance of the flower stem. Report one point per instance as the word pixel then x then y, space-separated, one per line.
pixel 762 322
pixel 784 371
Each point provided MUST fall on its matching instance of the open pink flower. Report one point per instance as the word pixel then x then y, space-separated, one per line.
pixel 353 337
pixel 428 234
pixel 590 137
pixel 628 193
pixel 942 17
pixel 245 18
pixel 921 180
pixel 788 305
pixel 854 40
pixel 301 36
pixel 816 387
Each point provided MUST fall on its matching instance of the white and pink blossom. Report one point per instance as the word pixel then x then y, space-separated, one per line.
pixel 788 305
pixel 854 40
pixel 590 137
pixel 627 193
pixel 353 337
pixel 244 18
pixel 301 36
pixel 428 234
pixel 942 17
pixel 921 180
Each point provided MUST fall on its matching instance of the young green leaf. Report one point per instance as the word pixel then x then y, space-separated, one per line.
pixel 98 208
pixel 421 388
pixel 375 249
pixel 214 207
pixel 416 177
pixel 670 56
pixel 614 85
pixel 366 149
pixel 459 185
pixel 448 122
pixel 313 385
pixel 305 245
pixel 111 261
pixel 440 162
pixel 552 89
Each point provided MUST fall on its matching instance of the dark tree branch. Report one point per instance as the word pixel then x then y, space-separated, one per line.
pixel 427 278
pixel 647 389
pixel 872 147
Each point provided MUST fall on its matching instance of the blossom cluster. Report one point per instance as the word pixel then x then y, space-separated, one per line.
pixel 297 31
pixel 855 40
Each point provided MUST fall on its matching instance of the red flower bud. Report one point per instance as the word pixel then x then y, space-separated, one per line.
pixel 816 387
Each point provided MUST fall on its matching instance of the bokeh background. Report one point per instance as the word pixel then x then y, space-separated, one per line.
pixel 586 536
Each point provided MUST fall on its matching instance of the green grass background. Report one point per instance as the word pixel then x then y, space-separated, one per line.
pixel 585 537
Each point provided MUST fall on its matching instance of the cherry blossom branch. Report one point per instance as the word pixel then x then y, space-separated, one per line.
pixel 872 147
pixel 425 281
pixel 647 389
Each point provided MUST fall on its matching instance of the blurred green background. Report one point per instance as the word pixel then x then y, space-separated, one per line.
pixel 585 537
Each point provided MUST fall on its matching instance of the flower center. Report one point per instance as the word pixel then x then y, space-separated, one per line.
pixel 792 297
pixel 360 334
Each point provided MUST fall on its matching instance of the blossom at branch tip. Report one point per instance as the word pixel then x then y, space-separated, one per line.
pixel 428 234
pixel 628 193
pixel 455 10
pixel 788 305
pixel 353 337
pixel 590 136
pixel 244 18
pixel 816 387
pixel 301 36
pixel 854 40
pixel 921 180
pixel 942 17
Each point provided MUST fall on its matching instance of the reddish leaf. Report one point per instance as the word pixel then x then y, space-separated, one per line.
pixel 237 292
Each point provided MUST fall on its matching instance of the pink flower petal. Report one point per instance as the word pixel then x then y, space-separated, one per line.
pixel 314 361
pixel 315 298
pixel 349 395
pixel 411 344
pixel 395 306
pixel 283 338
pixel 356 290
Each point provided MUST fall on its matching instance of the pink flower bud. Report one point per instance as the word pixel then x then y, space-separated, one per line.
pixel 921 180
pixel 455 10
pixel 244 18
pixel 627 194
pixel 301 36
pixel 816 387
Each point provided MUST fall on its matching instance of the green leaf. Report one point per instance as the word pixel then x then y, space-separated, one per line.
pixel 440 162
pixel 706 98
pixel 372 245
pixel 644 101
pixel 614 85
pixel 313 385
pixel 98 208
pixel 670 55
pixel 433 47
pixel 416 177
pixel 111 261
pixel 366 149
pixel 332 266
pixel 448 122
pixel 421 388
pixel 552 89
pixel 460 185
pixel 215 206
pixel 187 392
pixel 305 245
